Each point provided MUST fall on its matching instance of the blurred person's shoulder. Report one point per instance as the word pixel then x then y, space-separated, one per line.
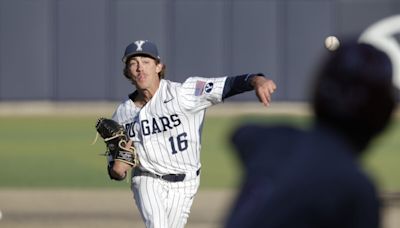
pixel 265 133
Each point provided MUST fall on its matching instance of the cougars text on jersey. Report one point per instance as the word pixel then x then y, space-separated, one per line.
pixel 154 125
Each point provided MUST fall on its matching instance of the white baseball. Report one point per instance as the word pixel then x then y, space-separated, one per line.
pixel 332 43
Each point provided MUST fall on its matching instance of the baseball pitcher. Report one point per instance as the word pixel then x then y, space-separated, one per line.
pixel 162 121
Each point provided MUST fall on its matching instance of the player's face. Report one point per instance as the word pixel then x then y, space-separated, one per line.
pixel 144 72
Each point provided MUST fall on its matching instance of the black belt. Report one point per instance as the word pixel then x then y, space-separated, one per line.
pixel 168 177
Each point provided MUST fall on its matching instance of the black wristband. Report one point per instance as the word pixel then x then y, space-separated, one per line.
pixel 238 84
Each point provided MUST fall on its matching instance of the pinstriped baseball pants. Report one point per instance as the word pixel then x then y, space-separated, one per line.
pixel 164 204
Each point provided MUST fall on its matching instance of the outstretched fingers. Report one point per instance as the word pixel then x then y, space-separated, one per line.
pixel 264 89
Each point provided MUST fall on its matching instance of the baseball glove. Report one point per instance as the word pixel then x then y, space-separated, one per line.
pixel 116 139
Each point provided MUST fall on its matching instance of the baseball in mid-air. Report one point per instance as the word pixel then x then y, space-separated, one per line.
pixel 332 43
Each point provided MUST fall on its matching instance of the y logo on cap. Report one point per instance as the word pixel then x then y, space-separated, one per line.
pixel 139 44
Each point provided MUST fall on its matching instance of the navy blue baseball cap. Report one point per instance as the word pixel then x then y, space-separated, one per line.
pixel 141 47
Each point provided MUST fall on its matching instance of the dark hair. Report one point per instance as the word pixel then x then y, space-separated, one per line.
pixel 354 92
pixel 127 72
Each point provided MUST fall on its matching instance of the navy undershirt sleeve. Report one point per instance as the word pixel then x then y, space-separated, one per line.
pixel 238 84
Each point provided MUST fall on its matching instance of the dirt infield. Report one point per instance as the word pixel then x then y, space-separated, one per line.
pixel 96 208
pixel 115 208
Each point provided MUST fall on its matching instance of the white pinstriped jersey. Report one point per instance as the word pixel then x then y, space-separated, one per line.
pixel 167 130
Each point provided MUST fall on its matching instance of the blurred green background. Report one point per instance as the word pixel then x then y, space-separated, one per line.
pixel 56 152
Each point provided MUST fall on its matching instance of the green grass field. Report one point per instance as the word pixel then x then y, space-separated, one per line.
pixel 56 152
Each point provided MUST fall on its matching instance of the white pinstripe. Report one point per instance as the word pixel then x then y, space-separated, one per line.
pixel 167 135
pixel 164 204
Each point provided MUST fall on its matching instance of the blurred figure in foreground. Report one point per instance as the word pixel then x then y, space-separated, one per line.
pixel 311 178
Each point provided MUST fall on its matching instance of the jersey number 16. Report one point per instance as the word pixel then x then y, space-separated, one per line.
pixel 180 143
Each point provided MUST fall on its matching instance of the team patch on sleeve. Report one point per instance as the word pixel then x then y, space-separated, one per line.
pixel 199 88
pixel 209 87
pixel 203 87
